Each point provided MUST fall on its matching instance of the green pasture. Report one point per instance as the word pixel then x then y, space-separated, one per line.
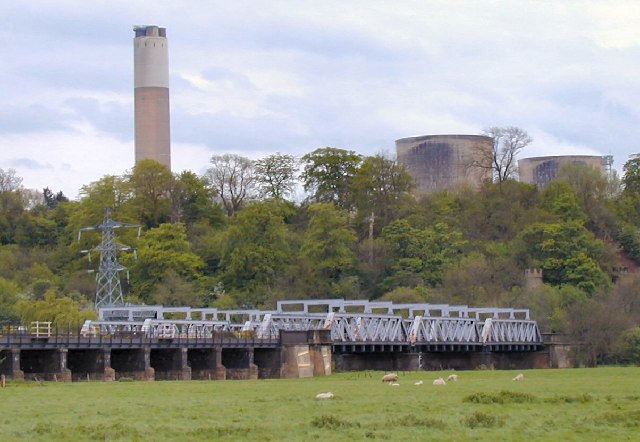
pixel 573 404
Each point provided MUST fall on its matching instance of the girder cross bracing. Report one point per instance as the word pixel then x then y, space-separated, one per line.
pixel 355 322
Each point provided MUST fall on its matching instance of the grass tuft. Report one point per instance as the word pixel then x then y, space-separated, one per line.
pixel 331 422
pixel 480 419
pixel 503 397
pixel 415 421
pixel 564 399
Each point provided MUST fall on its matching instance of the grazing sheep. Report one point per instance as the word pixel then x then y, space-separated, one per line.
pixel 394 384
pixel 452 378
pixel 390 377
pixel 520 377
pixel 327 395
pixel 419 383
pixel 439 381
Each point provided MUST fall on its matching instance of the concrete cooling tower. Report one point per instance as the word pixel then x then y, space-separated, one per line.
pixel 541 170
pixel 444 162
pixel 151 82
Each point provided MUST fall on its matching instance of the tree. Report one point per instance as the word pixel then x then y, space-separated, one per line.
pixel 193 200
pixel 162 248
pixel 631 178
pixel 51 199
pixel 567 252
pixel 420 255
pixel 232 177
pixel 328 173
pixel 381 187
pixel 151 184
pixel 508 141
pixel 256 251
pixel 328 248
pixel 276 175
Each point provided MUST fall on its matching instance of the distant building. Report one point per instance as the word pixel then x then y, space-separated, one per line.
pixel 445 162
pixel 541 170
pixel 151 94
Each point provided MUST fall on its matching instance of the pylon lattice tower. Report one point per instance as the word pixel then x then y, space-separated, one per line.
pixel 108 285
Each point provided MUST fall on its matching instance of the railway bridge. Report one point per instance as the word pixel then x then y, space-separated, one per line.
pixel 299 338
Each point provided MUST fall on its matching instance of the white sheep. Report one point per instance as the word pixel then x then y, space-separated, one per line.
pixel 390 377
pixel 327 395
pixel 452 378
pixel 439 381
pixel 419 383
pixel 520 377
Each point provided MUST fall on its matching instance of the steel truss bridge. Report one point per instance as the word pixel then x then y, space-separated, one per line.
pixel 354 325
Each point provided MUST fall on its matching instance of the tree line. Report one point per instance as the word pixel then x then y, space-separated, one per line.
pixel 238 237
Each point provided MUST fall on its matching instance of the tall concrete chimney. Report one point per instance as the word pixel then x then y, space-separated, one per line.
pixel 151 83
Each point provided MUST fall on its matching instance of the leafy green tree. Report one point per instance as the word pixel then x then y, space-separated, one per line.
pixel 559 199
pixel 151 184
pixel 193 200
pixel 421 255
pixel 381 187
pixel 567 252
pixel 256 250
pixel 62 311
pixel 162 248
pixel 631 178
pixel 276 175
pixel 328 173
pixel 9 295
pixel 328 249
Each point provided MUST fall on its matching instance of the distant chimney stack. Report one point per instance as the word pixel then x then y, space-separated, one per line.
pixel 151 94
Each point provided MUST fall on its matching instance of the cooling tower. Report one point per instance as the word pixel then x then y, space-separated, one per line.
pixel 444 162
pixel 151 83
pixel 541 170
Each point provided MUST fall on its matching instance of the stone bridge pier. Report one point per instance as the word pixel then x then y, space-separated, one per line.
pixel 206 364
pixel 133 363
pixel 10 364
pixel 48 365
pixel 94 365
pixel 239 363
pixel 170 364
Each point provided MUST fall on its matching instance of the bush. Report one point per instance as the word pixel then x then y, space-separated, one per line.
pixel 503 397
pixel 483 420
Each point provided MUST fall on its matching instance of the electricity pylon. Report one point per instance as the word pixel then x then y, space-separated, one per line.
pixel 108 286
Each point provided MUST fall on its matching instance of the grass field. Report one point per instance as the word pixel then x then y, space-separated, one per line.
pixel 579 404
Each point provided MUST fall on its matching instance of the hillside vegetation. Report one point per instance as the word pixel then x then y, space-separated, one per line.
pixel 236 237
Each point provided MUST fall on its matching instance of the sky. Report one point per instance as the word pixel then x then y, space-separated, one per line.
pixel 255 78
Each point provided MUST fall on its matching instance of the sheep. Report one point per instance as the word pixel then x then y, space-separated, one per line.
pixel 419 383
pixel 439 381
pixel 390 377
pixel 520 377
pixel 452 378
pixel 327 395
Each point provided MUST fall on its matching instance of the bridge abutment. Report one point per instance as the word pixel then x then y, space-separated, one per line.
pixel 206 364
pixel 132 363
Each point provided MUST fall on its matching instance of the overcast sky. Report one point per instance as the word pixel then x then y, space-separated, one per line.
pixel 259 77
